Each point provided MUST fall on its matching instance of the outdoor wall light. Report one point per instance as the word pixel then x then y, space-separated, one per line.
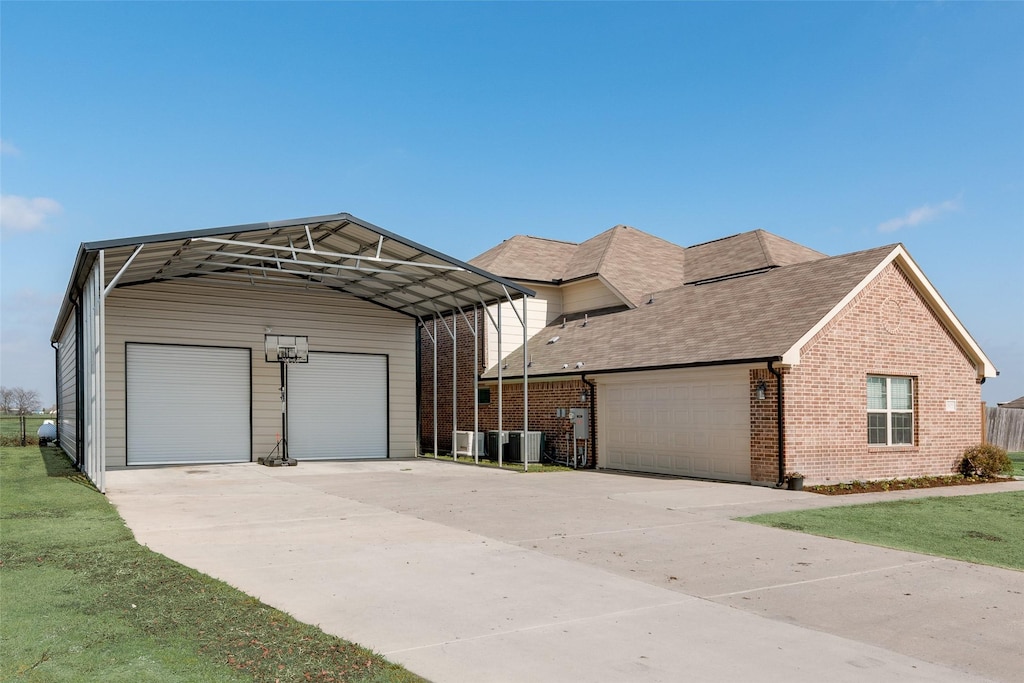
pixel 583 396
pixel 761 389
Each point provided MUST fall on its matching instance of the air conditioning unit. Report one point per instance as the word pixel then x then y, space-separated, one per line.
pixel 532 444
pixel 495 441
pixel 463 442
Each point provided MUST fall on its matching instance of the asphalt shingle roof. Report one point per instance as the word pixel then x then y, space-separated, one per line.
pixel 743 253
pixel 636 263
pixel 523 257
pixel 761 315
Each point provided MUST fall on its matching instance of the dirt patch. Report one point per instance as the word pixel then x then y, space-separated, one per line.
pixel 900 484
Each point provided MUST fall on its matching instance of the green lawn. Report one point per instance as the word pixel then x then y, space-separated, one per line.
pixel 984 529
pixel 1018 464
pixel 10 426
pixel 82 601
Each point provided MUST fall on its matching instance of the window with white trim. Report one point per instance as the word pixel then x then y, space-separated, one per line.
pixel 890 411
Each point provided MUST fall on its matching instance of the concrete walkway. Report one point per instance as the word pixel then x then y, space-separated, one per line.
pixel 472 574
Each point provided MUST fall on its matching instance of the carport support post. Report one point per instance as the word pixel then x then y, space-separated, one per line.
pixel 455 374
pixel 433 340
pixel 476 382
pixel 435 388
pixel 523 450
pixel 455 384
pixel 101 374
pixel 476 393
pixel 526 364
pixel 501 404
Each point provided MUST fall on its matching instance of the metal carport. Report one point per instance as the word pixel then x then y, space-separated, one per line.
pixel 336 253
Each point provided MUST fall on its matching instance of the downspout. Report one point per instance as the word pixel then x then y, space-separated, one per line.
pixel 593 417
pixel 778 414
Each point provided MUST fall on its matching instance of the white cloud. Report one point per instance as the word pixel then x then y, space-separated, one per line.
pixel 25 214
pixel 922 214
pixel 9 148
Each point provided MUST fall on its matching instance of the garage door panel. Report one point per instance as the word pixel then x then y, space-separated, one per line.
pixel 187 404
pixel 338 407
pixel 697 428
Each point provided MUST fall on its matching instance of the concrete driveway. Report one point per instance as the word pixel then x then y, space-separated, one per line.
pixel 472 574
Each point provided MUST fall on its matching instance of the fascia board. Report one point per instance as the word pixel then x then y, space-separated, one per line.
pixel 945 313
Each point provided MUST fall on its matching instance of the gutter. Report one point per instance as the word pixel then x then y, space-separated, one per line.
pixel 643 368
pixel 778 415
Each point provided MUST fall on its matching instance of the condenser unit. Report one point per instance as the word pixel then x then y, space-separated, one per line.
pixel 496 441
pixel 532 444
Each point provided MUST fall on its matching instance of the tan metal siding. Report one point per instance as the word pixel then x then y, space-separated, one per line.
pixel 67 382
pixel 540 311
pixel 235 316
pixel 588 295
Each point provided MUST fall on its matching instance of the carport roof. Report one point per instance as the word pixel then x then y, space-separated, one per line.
pixel 336 252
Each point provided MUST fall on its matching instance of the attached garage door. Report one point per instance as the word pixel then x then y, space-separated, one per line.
pixel 694 426
pixel 338 407
pixel 188 404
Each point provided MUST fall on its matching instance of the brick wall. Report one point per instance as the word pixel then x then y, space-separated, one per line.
pixel 544 397
pixel 465 373
pixel 764 426
pixel 886 330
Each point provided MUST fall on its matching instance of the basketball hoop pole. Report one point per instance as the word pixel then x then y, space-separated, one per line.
pixel 284 411
pixel 284 350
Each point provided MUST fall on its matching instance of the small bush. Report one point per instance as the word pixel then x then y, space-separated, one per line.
pixel 985 460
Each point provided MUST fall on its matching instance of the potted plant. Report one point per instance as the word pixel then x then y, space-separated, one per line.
pixel 795 481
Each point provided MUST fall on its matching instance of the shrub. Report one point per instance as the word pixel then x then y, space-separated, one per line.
pixel 985 460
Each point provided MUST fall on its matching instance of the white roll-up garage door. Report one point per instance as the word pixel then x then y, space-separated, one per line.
pixel 692 425
pixel 338 407
pixel 188 404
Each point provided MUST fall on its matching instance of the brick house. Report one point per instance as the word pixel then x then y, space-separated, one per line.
pixel 740 359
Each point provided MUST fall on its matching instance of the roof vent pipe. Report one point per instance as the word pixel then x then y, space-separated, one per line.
pixel 585 320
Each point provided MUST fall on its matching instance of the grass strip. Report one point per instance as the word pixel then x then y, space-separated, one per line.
pixel 506 465
pixel 1018 464
pixel 82 601
pixel 984 528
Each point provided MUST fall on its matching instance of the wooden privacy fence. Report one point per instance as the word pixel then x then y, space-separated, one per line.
pixel 1006 428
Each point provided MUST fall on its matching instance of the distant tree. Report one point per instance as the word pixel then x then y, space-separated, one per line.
pixel 6 400
pixel 25 401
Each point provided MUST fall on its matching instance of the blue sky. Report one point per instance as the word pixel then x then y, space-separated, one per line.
pixel 839 126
